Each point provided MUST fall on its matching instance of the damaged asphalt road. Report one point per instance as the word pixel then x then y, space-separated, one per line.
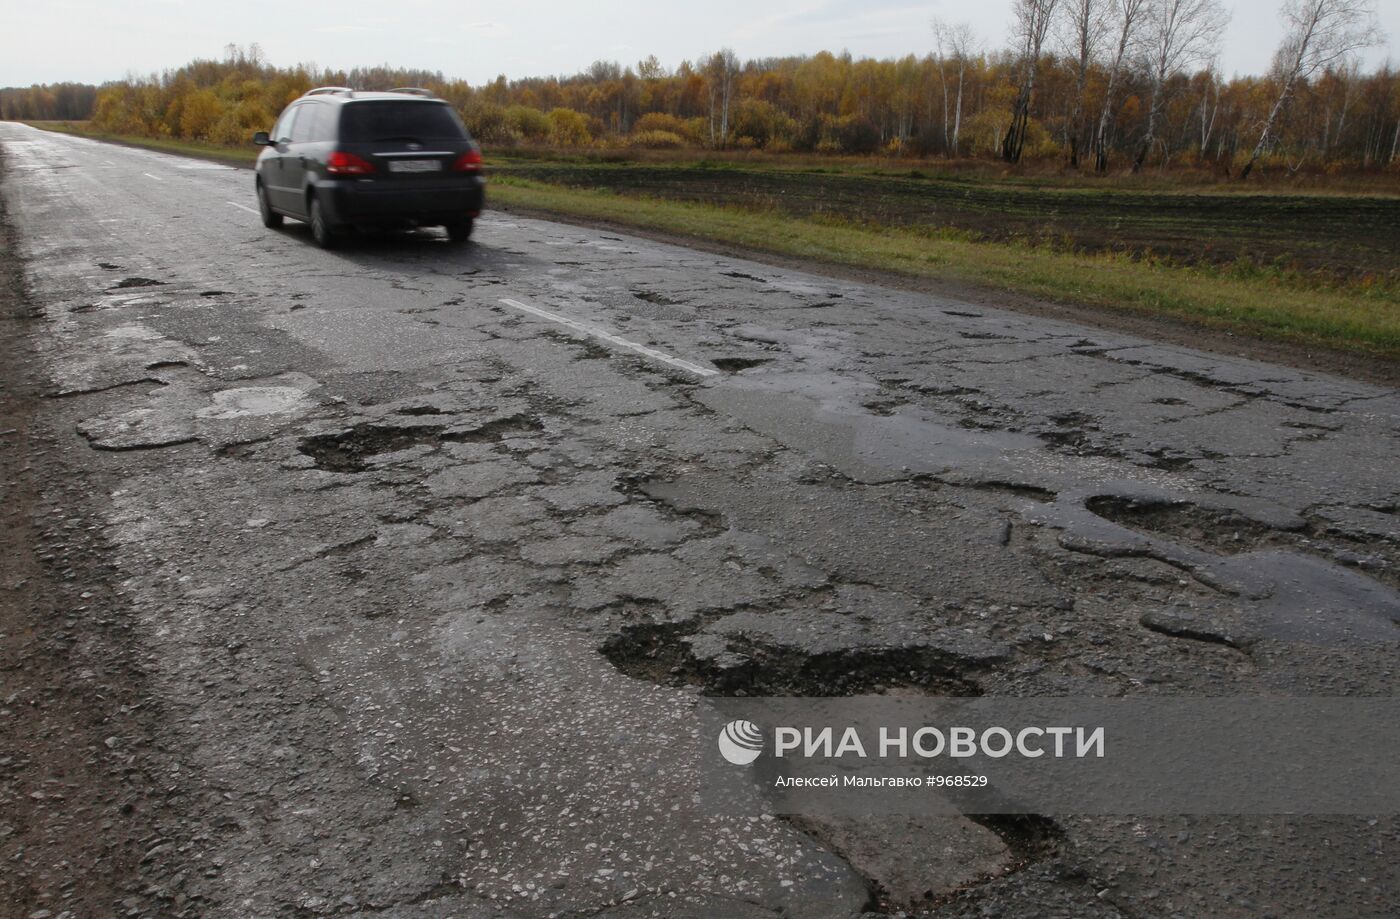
pixel 427 553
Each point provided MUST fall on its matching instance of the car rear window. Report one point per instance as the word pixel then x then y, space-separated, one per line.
pixel 366 122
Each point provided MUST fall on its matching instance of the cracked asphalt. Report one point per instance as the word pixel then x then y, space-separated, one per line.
pixel 426 555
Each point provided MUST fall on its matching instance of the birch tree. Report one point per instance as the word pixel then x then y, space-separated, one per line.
pixel 954 42
pixel 1179 34
pixel 720 71
pixel 1029 29
pixel 1319 34
pixel 1209 107
pixel 1128 17
pixel 1082 32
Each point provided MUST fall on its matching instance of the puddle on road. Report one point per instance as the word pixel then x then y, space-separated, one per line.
pixel 821 413
pixel 1276 586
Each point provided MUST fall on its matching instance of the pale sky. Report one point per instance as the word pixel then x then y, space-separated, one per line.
pixel 45 41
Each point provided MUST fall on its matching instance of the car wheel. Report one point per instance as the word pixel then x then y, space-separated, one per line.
pixel 460 231
pixel 270 218
pixel 321 230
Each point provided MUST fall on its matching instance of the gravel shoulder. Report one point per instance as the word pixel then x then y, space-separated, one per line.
pixel 82 806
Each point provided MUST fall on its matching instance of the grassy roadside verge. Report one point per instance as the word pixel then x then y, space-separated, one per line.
pixel 236 156
pixel 1352 318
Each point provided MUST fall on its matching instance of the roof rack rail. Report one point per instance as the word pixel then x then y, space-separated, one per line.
pixel 415 90
pixel 324 90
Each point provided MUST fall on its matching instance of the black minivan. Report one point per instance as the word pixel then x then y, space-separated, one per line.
pixel 339 158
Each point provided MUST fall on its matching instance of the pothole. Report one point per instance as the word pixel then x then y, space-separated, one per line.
pixel 586 349
pixel 1030 837
pixel 348 451
pixel 352 449
pixel 1195 628
pixel 1017 489
pixel 883 407
pixel 1225 532
pixel 663 653
pixel 651 296
pixel 1171 460
pixel 735 364
pixel 1221 531
pixel 136 282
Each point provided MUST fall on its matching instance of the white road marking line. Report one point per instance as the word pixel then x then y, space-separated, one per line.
pixel 149 176
pixel 612 339
pixel 243 207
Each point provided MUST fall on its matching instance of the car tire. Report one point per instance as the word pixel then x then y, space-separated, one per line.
pixel 270 218
pixel 321 229
pixel 460 231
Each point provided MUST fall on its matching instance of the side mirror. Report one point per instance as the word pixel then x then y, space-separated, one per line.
pixel 261 139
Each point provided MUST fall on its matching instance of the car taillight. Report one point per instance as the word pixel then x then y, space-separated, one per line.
pixel 347 164
pixel 468 162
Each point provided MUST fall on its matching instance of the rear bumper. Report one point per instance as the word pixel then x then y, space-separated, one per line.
pixel 374 203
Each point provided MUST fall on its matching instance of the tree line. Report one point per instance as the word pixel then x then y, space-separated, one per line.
pixel 49 102
pixel 1098 84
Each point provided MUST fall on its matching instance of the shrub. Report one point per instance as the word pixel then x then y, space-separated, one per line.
pixel 982 132
pixel 808 134
pixel 199 112
pixel 238 123
pixel 854 134
pixel 660 121
pixel 529 124
pixel 928 141
pixel 656 140
pixel 568 128
pixel 760 122
pixel 489 125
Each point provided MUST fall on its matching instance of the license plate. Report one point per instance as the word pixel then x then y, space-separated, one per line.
pixel 415 165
